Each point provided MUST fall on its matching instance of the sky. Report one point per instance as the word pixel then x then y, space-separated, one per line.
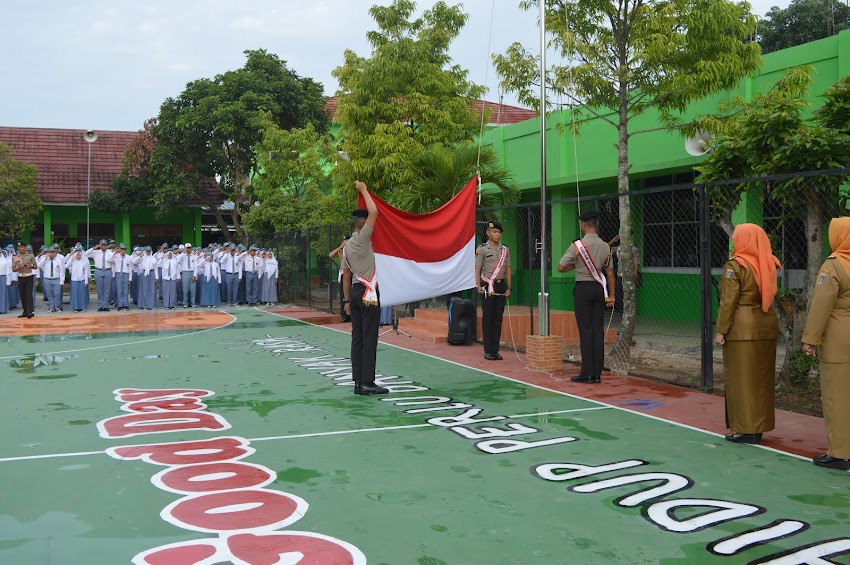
pixel 109 64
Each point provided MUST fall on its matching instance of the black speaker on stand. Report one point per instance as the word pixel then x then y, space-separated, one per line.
pixel 462 320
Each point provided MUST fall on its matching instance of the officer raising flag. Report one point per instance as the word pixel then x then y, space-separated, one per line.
pixel 493 280
pixel 593 292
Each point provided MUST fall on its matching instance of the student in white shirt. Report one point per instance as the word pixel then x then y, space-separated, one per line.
pixel 188 262
pixel 209 273
pixel 270 275
pixel 5 271
pixel 122 276
pixel 102 273
pixel 170 269
pixel 80 270
pixel 52 265
pixel 251 267
pixel 148 276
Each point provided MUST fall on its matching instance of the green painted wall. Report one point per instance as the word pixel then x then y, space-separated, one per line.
pixel 590 160
pixel 75 218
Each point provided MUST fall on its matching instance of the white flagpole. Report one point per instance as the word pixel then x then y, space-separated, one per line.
pixel 543 296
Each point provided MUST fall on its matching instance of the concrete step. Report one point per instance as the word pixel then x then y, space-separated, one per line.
pixel 433 314
pixel 425 330
pixel 425 324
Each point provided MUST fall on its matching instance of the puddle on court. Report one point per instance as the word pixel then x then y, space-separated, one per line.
pixel 30 363
pixel 297 475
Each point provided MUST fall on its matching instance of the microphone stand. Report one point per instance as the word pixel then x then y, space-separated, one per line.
pixel 394 327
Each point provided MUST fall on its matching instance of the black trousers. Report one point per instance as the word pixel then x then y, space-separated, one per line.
pixel 589 299
pixel 25 285
pixel 364 336
pixel 492 308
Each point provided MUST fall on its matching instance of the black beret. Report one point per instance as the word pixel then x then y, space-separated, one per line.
pixel 495 225
pixel 360 213
pixel 589 215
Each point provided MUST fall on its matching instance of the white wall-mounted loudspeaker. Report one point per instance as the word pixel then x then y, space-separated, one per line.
pixel 90 136
pixel 699 144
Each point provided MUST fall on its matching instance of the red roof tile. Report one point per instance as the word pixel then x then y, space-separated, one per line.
pixel 61 156
pixel 500 114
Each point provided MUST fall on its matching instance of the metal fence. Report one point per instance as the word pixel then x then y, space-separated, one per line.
pixel 681 234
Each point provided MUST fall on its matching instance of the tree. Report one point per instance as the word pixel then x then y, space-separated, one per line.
pixel 772 136
pixel 441 172
pixel 133 187
pixel 210 130
pixel 294 189
pixel 626 57
pixel 802 21
pixel 19 201
pixel 404 97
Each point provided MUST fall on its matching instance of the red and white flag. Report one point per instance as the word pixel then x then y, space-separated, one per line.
pixel 419 256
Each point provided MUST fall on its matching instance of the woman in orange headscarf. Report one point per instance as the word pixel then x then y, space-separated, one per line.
pixel 747 328
pixel 828 329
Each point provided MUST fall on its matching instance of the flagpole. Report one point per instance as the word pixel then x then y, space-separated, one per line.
pixel 543 296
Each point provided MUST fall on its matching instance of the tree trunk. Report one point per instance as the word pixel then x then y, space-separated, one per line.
pixel 621 353
pixel 796 321
pixel 219 218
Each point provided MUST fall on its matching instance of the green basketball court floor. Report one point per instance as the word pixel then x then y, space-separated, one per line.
pixel 245 444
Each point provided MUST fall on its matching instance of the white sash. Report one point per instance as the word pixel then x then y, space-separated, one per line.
pixel 497 270
pixel 370 297
pixel 591 266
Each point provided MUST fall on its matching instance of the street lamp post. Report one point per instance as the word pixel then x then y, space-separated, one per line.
pixel 90 136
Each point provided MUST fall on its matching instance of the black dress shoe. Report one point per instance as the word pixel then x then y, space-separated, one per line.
pixel 581 379
pixel 22 316
pixel 832 462
pixel 490 357
pixel 596 379
pixel 368 390
pixel 744 438
pixel 30 315
pixel 498 357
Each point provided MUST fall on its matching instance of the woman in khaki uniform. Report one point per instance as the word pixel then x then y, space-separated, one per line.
pixel 747 328
pixel 828 329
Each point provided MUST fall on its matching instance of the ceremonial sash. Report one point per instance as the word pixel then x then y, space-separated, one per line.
pixel 591 266
pixel 370 297
pixel 497 270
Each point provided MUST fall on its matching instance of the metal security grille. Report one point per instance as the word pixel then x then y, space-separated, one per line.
pixel 155 234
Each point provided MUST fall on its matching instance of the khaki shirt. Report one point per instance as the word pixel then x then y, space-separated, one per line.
pixel 740 317
pixel 358 256
pixel 26 265
pixel 487 257
pixel 599 252
pixel 829 313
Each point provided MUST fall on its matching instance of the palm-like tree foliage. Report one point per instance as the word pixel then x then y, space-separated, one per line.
pixel 441 172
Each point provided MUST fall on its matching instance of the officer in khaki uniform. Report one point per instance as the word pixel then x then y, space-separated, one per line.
pixel 591 294
pixel 747 328
pixel 493 280
pixel 828 329
pixel 361 296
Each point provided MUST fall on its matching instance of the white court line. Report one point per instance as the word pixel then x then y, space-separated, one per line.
pixel 615 407
pixel 295 436
pixel 233 319
pixel 50 455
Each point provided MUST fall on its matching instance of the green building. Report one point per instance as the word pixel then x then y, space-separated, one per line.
pixel 665 228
